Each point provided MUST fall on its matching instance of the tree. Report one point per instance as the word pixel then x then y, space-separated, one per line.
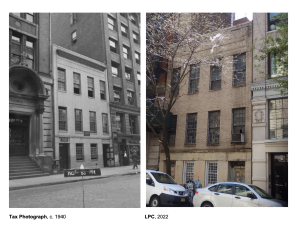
pixel 172 42
pixel 275 48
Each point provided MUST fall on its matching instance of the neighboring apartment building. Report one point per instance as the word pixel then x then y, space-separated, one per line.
pixel 81 106
pixel 114 40
pixel 269 120
pixel 210 136
pixel 30 90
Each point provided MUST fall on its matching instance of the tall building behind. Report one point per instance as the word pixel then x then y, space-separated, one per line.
pixel 30 89
pixel 270 117
pixel 114 40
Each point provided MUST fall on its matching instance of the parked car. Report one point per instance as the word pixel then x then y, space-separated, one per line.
pixel 227 194
pixel 162 190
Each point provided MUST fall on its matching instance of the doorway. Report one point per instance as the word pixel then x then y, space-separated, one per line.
pixel 108 156
pixel 18 135
pixel 64 156
pixel 279 175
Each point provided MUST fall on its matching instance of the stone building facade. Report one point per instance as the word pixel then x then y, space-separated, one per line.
pixel 114 40
pixel 30 88
pixel 212 137
pixel 269 120
pixel 81 106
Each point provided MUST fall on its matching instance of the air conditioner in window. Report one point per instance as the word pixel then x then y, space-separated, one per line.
pixel 238 138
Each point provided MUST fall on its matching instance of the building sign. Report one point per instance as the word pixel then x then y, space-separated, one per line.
pixel 64 139
pixel 86 133
pixel 82 172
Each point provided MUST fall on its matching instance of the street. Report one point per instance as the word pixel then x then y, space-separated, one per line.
pixel 113 192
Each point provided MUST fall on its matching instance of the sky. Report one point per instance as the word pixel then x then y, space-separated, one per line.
pixel 249 15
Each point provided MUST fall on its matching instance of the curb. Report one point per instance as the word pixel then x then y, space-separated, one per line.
pixel 69 181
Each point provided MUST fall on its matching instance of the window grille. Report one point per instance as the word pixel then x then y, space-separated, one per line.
pixel 194 78
pixel 191 128
pixel 214 127
pixel 239 74
pixel 212 172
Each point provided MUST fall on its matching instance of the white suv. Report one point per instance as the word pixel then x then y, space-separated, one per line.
pixel 161 189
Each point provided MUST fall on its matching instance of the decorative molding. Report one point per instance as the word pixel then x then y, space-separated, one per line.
pixel 259 116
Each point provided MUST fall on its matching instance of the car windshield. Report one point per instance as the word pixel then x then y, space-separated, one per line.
pixel 261 192
pixel 164 178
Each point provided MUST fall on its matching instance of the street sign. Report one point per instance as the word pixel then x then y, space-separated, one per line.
pixel 82 172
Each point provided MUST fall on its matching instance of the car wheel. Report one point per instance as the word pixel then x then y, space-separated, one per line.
pixel 155 201
pixel 207 204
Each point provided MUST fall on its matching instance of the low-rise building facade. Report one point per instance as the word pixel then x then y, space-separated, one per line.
pixel 210 136
pixel 81 106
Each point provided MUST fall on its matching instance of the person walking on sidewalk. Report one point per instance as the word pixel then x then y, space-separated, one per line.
pixel 134 158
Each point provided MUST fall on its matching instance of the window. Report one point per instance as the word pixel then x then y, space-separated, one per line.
pixel 277 66
pixel 30 52
pixel 22 50
pixel 113 45
pixel 29 16
pixel 91 87
pixel 225 188
pixel 94 151
pixel 239 66
pixel 93 127
pixel 104 123
pixel 76 83
pixel 133 19
pixel 126 52
pixel 115 69
pixel 272 23
pixel 78 119
pixel 238 121
pixel 73 36
pixel 124 15
pixel 130 97
pixel 79 152
pixel 215 75
pixel 119 122
pixel 242 190
pixel 102 90
pixel 61 80
pixel 172 131
pixel 137 57
pixel 278 119
pixel 63 118
pixel 138 77
pixel 237 171
pixel 117 94
pixel 135 38
pixel 132 122
pixel 191 128
pixel 211 173
pixel 214 127
pixel 15 55
pixel 194 78
pixel 111 23
pixel 128 73
pixel 72 18
pixel 188 172
pixel 124 30
pixel 175 80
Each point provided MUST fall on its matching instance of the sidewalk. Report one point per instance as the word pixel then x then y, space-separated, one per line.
pixel 60 179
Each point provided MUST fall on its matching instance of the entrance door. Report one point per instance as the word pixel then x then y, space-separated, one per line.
pixel 64 156
pixel 279 176
pixel 18 135
pixel 108 156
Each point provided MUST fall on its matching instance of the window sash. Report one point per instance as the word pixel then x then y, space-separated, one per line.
pixel 78 120
pixel 214 128
pixel 215 77
pixel 79 152
pixel 189 171
pixel 239 70
pixel 94 151
pixel 238 121
pixel 93 122
pixel 191 127
pixel 212 172
pixel 62 119
pixel 114 71
pixel 278 119
pixel 104 123
pixel 61 80
pixel 102 89
pixel 194 78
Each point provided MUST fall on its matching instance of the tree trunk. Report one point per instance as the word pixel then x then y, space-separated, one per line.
pixel 167 153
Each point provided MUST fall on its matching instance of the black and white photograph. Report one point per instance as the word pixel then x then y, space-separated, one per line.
pixel 74 110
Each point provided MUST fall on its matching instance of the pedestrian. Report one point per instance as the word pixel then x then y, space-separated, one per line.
pixel 134 158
